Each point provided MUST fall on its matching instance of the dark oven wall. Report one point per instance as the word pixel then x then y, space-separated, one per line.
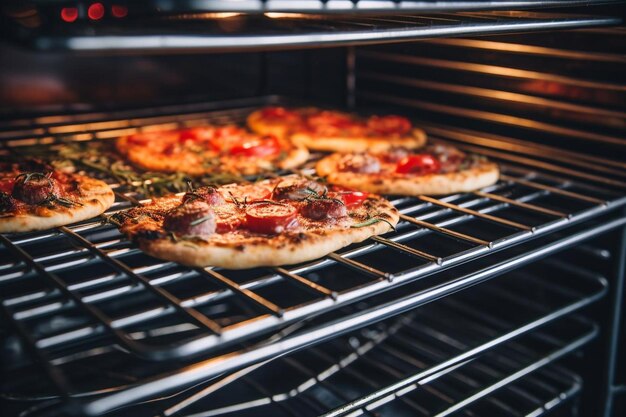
pixel 56 82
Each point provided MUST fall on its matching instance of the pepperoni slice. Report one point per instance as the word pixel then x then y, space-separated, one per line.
pixel 420 164
pixel 258 147
pixel 389 125
pixel 270 218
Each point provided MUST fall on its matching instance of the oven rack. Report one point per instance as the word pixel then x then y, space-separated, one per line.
pixel 231 32
pixel 70 248
pixel 423 351
pixel 579 289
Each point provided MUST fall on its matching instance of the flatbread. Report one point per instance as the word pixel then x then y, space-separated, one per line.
pixel 240 248
pixel 91 199
pixel 480 173
pixel 343 132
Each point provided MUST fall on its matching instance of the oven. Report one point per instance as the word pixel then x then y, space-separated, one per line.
pixel 505 301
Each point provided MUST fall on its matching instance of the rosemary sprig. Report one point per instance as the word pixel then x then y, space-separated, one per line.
pixel 371 221
pixel 201 220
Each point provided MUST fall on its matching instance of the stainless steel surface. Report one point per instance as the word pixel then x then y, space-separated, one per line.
pixel 202 32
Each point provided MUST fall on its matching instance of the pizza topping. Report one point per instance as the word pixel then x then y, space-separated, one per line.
pixel 419 164
pixel 280 113
pixel 34 188
pixel 7 203
pixel 195 218
pixel 270 217
pixel 324 208
pixel 298 189
pixel 353 198
pixel 360 163
pixel 247 193
pixel 208 194
pixel 258 147
pixel 389 125
pixel 395 155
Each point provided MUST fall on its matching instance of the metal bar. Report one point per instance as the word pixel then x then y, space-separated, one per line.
pixel 407 249
pixel 554 190
pixel 358 266
pixel 521 204
pixel 475 213
pixel 257 299
pixel 444 230
pixel 306 283
pixel 101 319
pixel 170 299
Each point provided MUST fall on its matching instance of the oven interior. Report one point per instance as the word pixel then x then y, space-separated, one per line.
pixel 504 301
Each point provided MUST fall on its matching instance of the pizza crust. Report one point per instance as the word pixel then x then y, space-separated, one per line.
pixel 416 139
pixel 258 125
pixel 481 175
pixel 271 251
pixel 96 199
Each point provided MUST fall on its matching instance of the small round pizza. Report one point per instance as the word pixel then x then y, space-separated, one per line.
pixel 210 150
pixel 284 220
pixel 34 196
pixel 335 131
pixel 435 170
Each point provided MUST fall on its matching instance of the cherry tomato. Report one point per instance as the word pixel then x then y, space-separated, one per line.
pixel 420 164
pixel 352 198
pixel 269 218
pixel 388 125
pixel 6 186
pixel 266 146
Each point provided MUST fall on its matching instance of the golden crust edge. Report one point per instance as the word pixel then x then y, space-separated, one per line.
pixel 416 140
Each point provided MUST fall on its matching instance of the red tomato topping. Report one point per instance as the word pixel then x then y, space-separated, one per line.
pixel 6 186
pixel 270 218
pixel 389 125
pixel 420 164
pixel 266 146
pixel 353 198
pixel 188 135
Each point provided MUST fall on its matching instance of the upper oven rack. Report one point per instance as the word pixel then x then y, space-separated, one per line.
pixel 57 255
pixel 235 32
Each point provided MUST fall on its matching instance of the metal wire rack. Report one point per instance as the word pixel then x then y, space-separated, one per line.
pixel 435 368
pixel 106 292
pixel 270 31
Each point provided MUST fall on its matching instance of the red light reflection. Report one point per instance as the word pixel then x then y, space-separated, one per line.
pixel 69 14
pixel 119 11
pixel 95 11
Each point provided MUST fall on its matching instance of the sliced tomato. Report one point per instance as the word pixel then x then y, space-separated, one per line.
pixel 353 198
pixel 389 125
pixel 258 147
pixel 420 164
pixel 6 185
pixel 270 218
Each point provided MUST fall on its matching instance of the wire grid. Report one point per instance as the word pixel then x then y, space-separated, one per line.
pixel 102 287
pixel 203 31
pixel 350 372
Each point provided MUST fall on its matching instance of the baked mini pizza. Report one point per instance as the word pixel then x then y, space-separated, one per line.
pixel 210 150
pixel 334 131
pixel 34 196
pixel 285 220
pixel 435 170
